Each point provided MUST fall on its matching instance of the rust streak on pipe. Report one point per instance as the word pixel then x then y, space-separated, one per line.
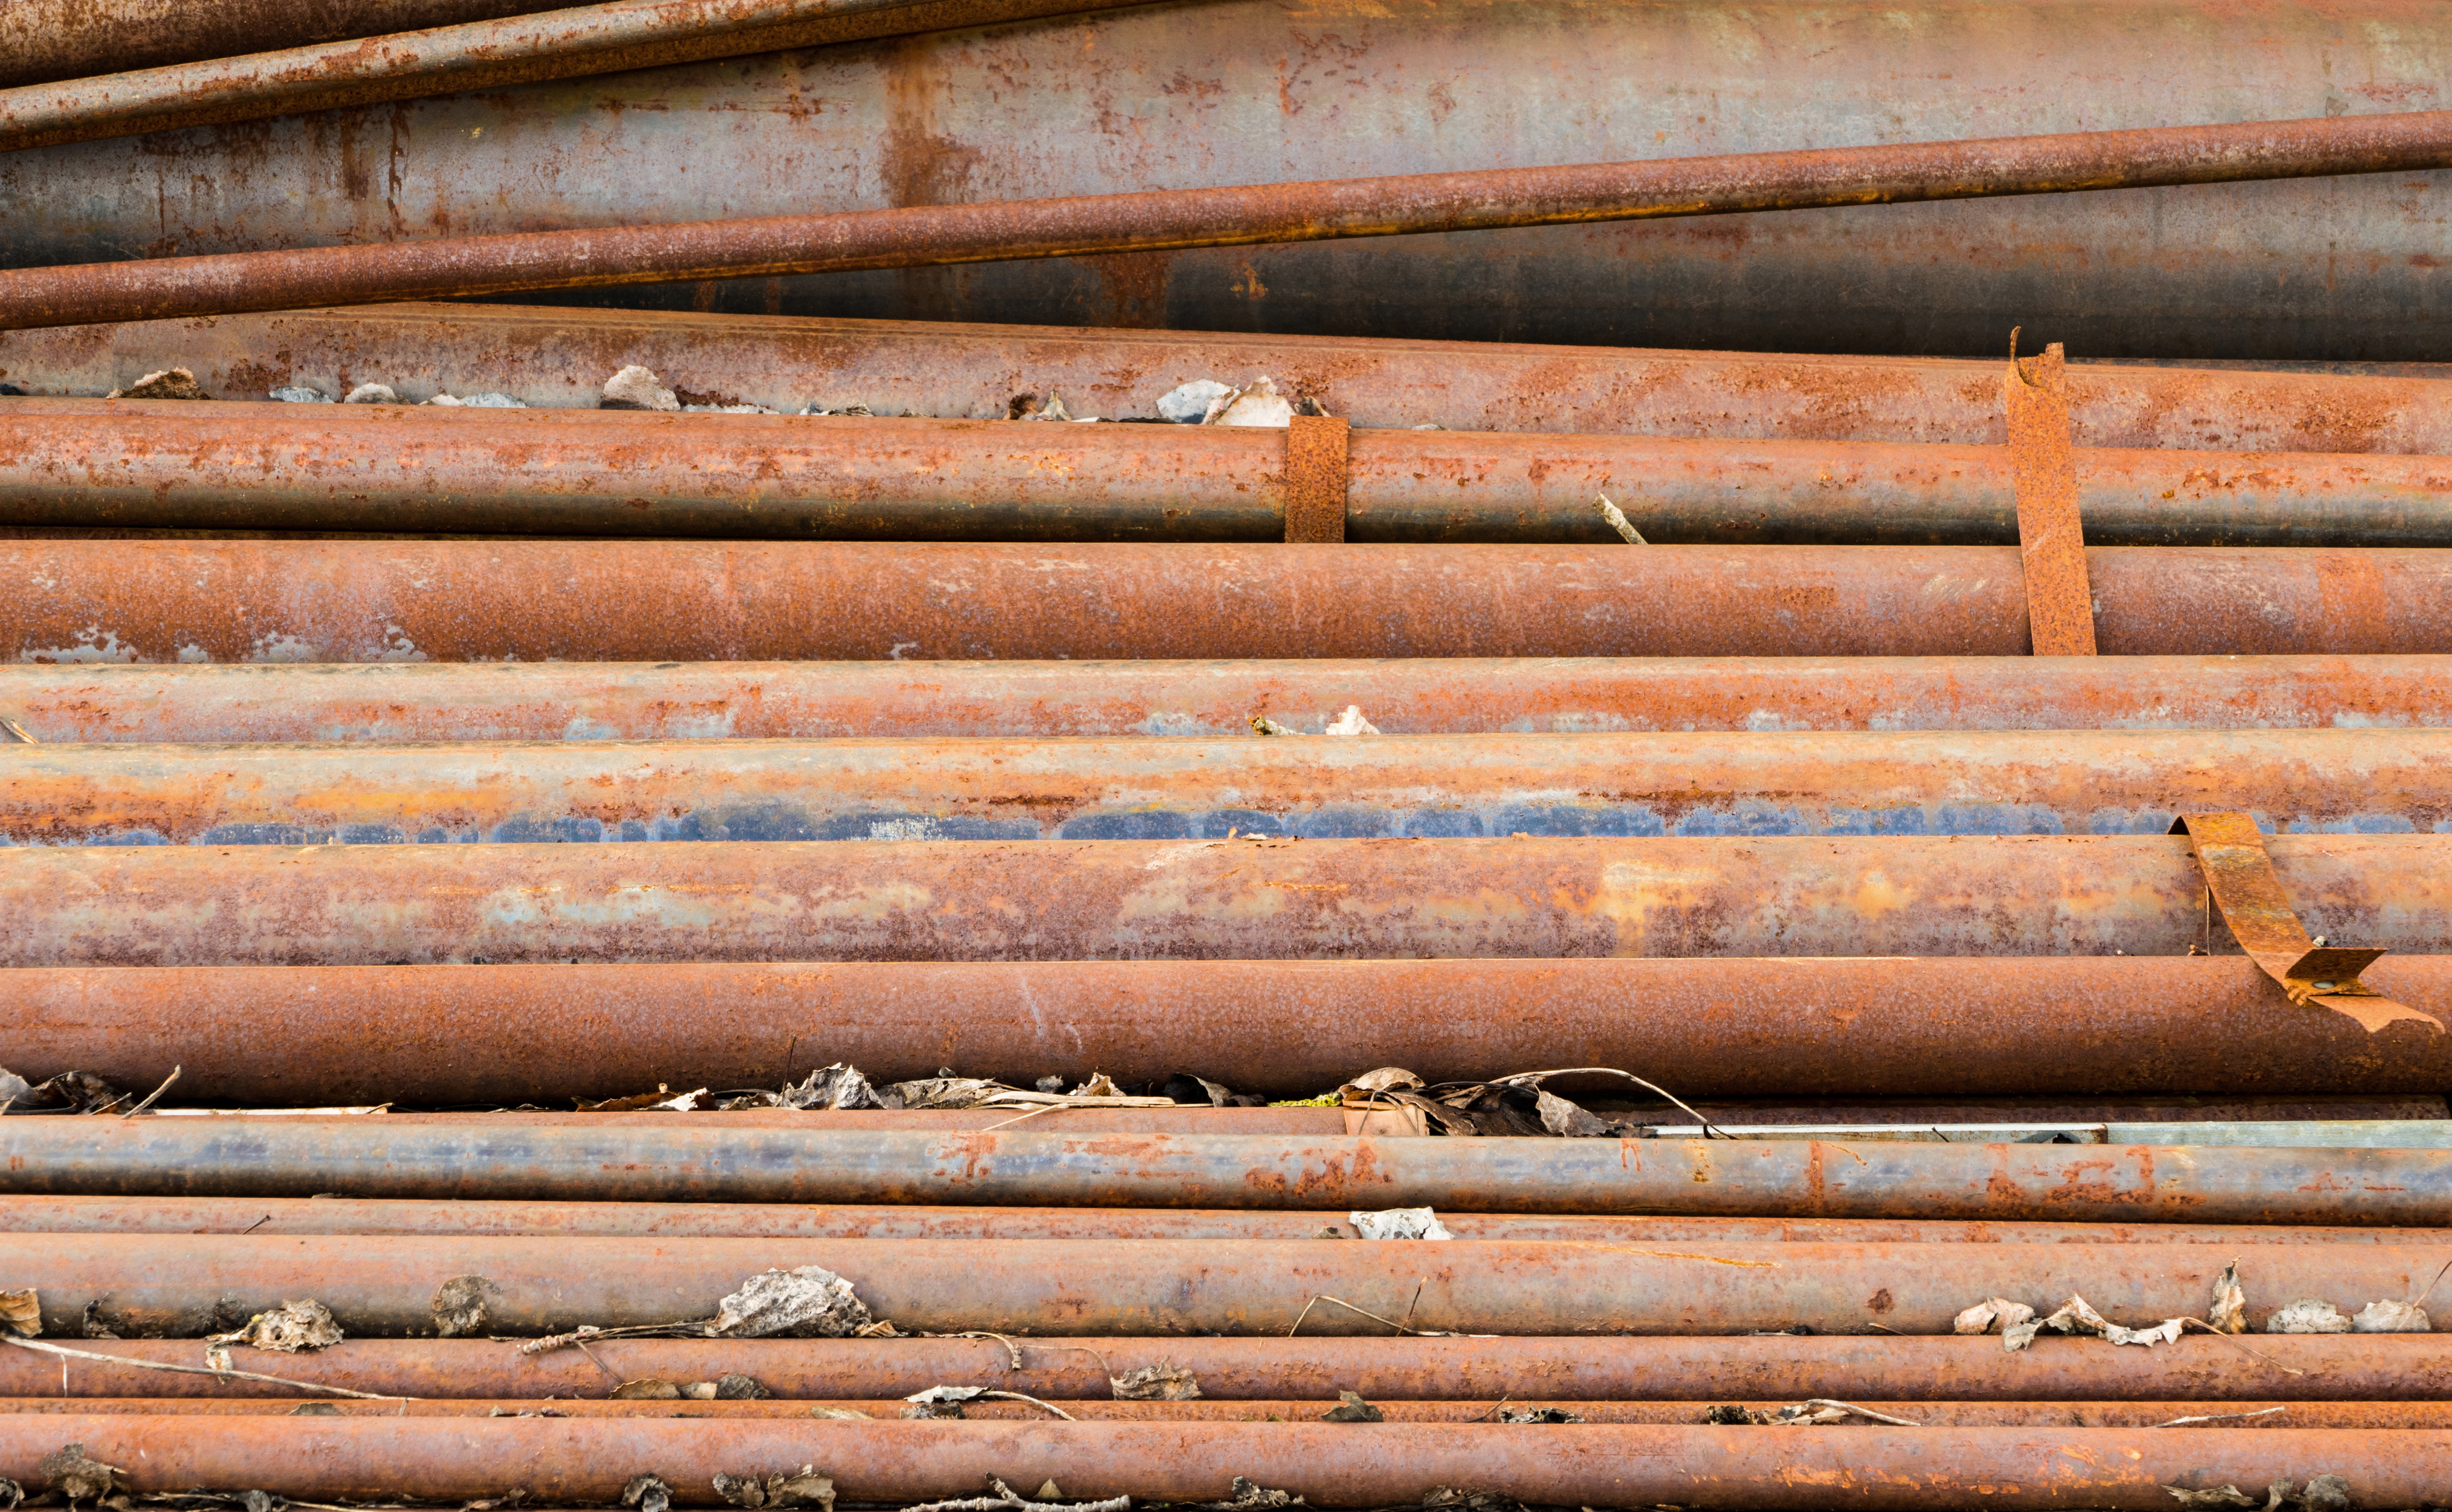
pixel 1081 900
pixel 507 44
pixel 1769 783
pixel 533 600
pixel 586 1462
pixel 927 236
pixel 2292 1367
pixel 351 467
pixel 403 701
pixel 1742 1178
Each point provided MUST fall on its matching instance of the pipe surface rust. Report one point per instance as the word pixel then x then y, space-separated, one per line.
pixel 559 357
pixel 916 236
pixel 2126 782
pixel 2285 1367
pixel 682 1162
pixel 2218 272
pixel 586 1462
pixel 269 1216
pixel 70 700
pixel 1223 899
pixel 393 1287
pixel 392 53
pixel 579 600
pixel 46 40
pixel 394 469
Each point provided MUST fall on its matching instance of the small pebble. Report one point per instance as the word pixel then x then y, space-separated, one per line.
pixel 635 387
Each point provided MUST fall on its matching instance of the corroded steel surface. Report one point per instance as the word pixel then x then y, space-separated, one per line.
pixel 916 236
pixel 345 1215
pixel 385 1285
pixel 42 40
pixel 344 467
pixel 2008 782
pixel 365 1157
pixel 2052 539
pixel 1279 898
pixel 586 1462
pixel 529 600
pixel 2293 1368
pixel 1259 91
pixel 393 56
pixel 561 357
pixel 105 701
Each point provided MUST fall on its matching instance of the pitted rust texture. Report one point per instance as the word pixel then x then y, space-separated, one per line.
pixel 1316 478
pixel 1169 220
pixel 530 600
pixel 2058 782
pixel 2051 543
pixel 405 701
pixel 560 356
pixel 382 1286
pixel 46 40
pixel 2291 1367
pixel 1193 900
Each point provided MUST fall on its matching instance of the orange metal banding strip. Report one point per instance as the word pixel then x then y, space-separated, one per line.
pixel 2060 604
pixel 1316 478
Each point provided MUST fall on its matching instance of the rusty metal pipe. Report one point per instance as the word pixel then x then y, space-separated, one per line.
pixel 586 1462
pixel 2020 782
pixel 531 600
pixel 1245 898
pixel 395 702
pixel 2291 1367
pixel 386 1287
pixel 1166 220
pixel 559 358
pixel 335 468
pixel 266 1216
pixel 1770 1178
pixel 395 53
pixel 45 40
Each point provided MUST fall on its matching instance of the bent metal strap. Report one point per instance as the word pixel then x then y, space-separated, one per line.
pixel 2052 543
pixel 1315 476
pixel 2239 874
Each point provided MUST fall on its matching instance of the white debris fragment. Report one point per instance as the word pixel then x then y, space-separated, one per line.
pixel 1256 404
pixel 294 1327
pixel 2391 1317
pixel 1189 405
pixel 2307 1315
pixel 1053 409
pixel 1399 1223
pixel 370 394
pixel 808 1303
pixel 299 394
pixel 1350 723
pixel 636 387
pixel 445 400
pixel 727 409
pixel 1980 1318
pixel 485 402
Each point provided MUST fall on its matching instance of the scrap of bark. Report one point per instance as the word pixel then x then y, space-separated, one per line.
pixel 1161 1381
pixel 808 1302
pixel 2227 1311
pixel 650 1388
pixel 647 1493
pixel 170 383
pixel 21 1311
pixel 2307 1315
pixel 734 1387
pixel 1352 1408
pixel 1399 1223
pixel 67 1471
pixel 2390 1317
pixel 294 1327
pixel 1980 1318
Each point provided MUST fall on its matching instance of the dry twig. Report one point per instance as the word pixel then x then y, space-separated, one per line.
pixel 195 1370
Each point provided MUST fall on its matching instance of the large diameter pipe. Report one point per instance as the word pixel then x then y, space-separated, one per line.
pixel 340 600
pixel 400 702
pixel 561 357
pixel 1169 220
pixel 395 53
pixel 1769 784
pixel 329 468
pixel 1754 1178
pixel 269 1216
pixel 1862 1367
pixel 587 1461
pixel 1077 900
pixel 388 1286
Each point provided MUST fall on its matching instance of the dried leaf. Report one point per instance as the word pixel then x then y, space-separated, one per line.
pixel 1980 1318
pixel 833 1086
pixel 2327 1493
pixel 734 1387
pixel 2390 1317
pixel 2077 1316
pixel 1399 1223
pixel 941 1402
pixel 1161 1381
pixel 1536 1415
pixel 1099 1085
pixel 1565 1119
pixel 294 1327
pixel 808 1303
pixel 2227 1311
pixel 2307 1315
pixel 1387 1078
pixel 21 1311
pixel 69 1472
pixel 1242 1496
pixel 1352 1408
pixel 651 1388
pixel 646 1492
pixel 461 1306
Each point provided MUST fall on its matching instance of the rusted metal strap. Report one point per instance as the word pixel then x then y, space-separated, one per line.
pixel 2052 543
pixel 2240 876
pixel 1315 476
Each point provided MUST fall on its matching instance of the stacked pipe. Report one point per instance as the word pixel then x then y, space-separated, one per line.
pixel 697 901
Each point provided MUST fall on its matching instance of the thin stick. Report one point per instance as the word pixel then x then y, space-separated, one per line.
pixel 1710 1129
pixel 1301 1316
pixel 157 1093
pixel 1498 1408
pixel 2243 1349
pixel 1015 1396
pixel 615 1374
pixel 1033 1114
pixel 1323 1296
pixel 1011 1348
pixel 2219 1416
pixel 1618 521
pixel 2431 1286
pixel 1864 1412
pixel 1408 1323
pixel 195 1370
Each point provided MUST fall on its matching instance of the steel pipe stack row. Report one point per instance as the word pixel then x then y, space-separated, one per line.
pixel 709 895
